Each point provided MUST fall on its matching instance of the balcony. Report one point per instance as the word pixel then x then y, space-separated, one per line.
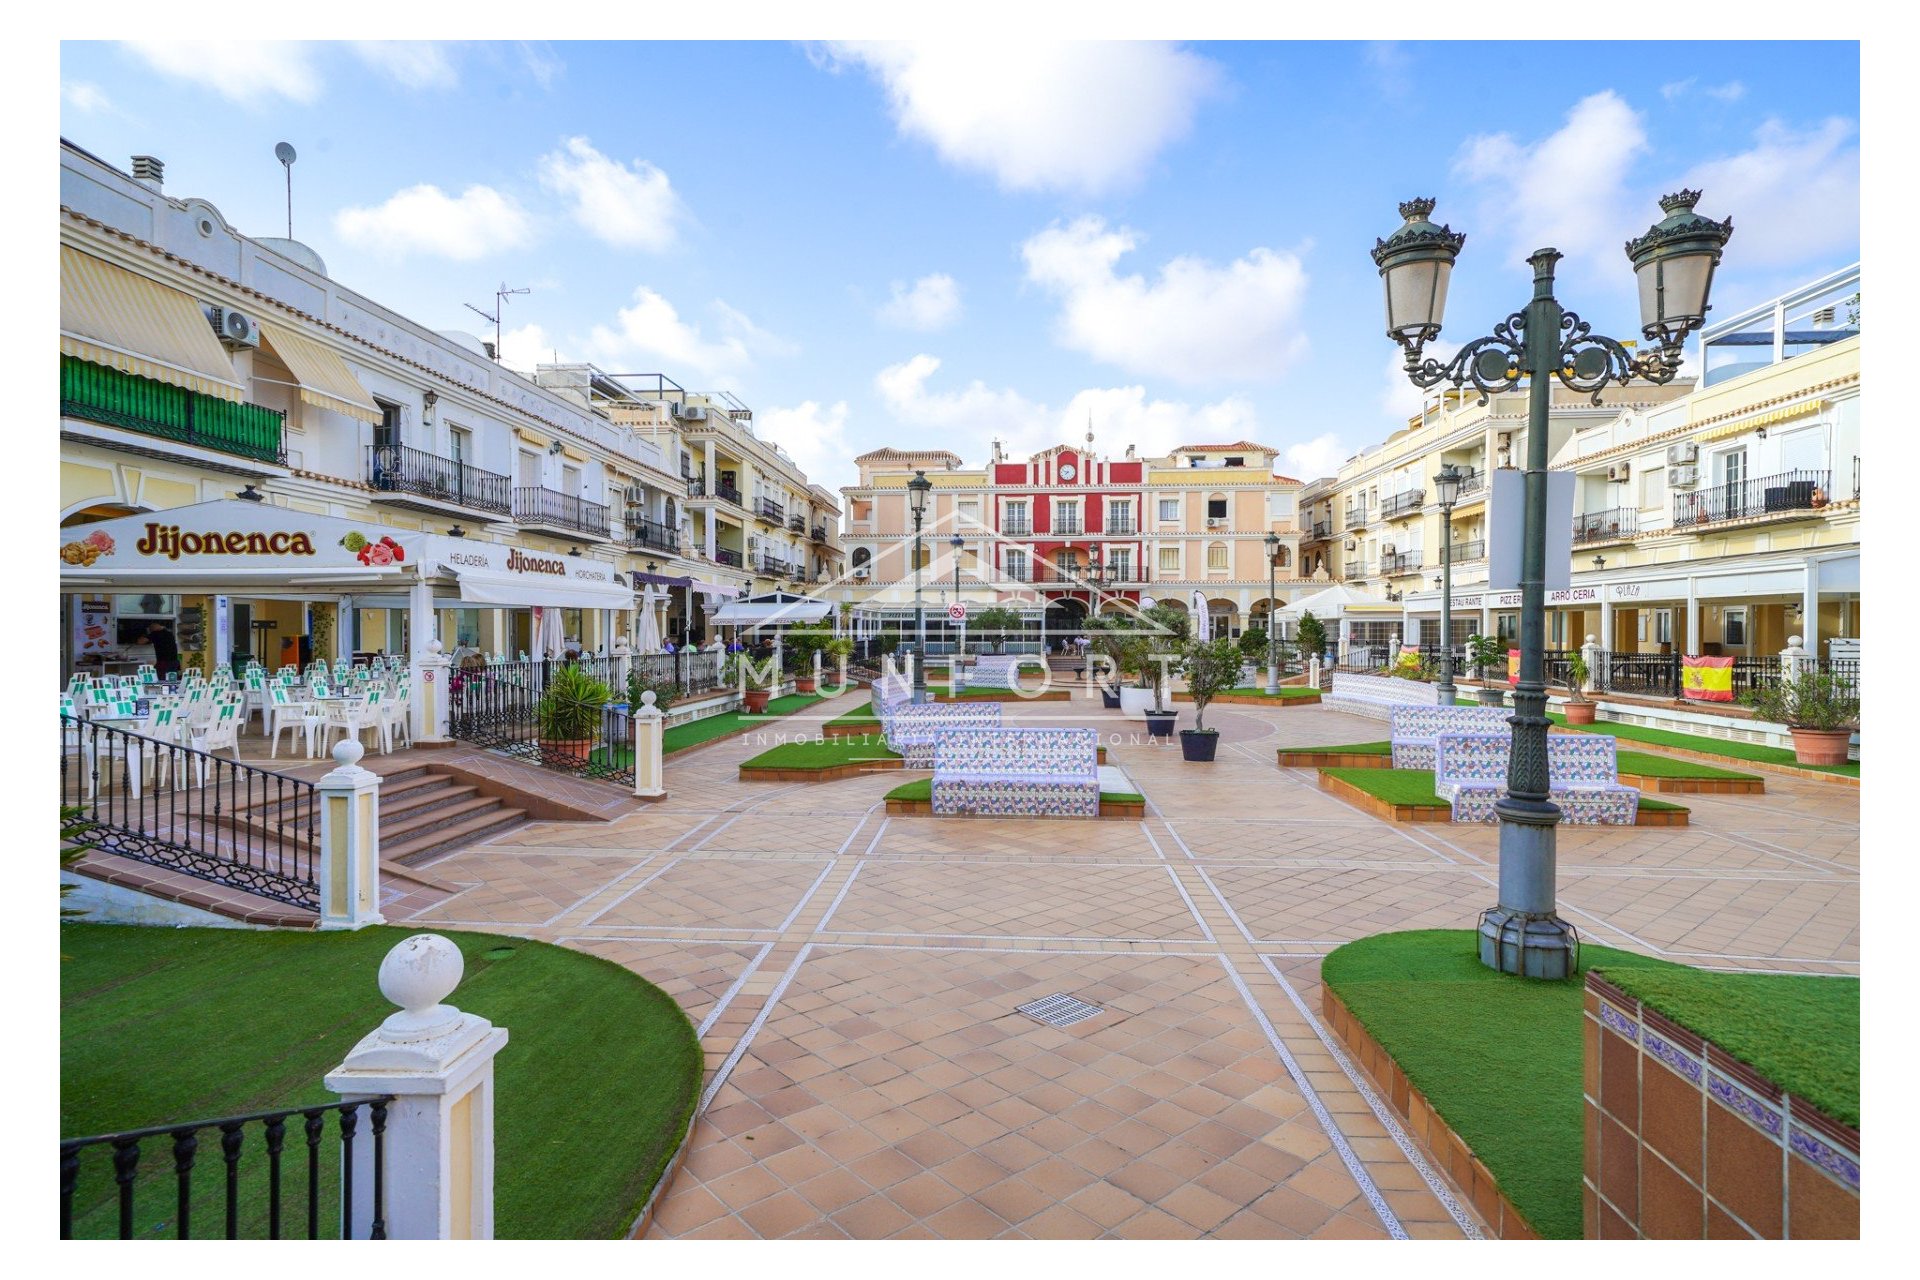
pixel 1472 485
pixel 796 524
pixel 1404 562
pixel 773 566
pixel 1615 525
pixel 132 403
pixel 768 509
pixel 413 477
pixel 729 558
pixel 1121 528
pixel 1356 517
pixel 1018 573
pixel 1403 504
pixel 1789 495
pixel 701 489
pixel 545 509
pixel 1017 529
pixel 1322 529
pixel 1467 552
pixel 819 533
pixel 1066 527
pixel 642 532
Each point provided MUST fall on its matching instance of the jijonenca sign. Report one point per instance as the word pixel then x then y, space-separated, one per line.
pixel 167 540
pixel 518 563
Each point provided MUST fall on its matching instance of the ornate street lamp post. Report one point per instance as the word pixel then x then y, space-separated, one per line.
pixel 956 542
pixel 1447 486
pixel 917 490
pixel 1273 645
pixel 1674 263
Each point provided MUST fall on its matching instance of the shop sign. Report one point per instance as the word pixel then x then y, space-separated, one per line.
pixel 464 553
pixel 1573 595
pixel 226 535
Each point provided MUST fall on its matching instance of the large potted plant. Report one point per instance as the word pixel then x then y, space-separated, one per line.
pixel 1156 633
pixel 1578 709
pixel 1821 711
pixel 568 712
pixel 1484 652
pixel 1210 670
pixel 1109 636
pixel 802 642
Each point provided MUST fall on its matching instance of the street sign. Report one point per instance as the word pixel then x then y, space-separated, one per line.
pixel 957 612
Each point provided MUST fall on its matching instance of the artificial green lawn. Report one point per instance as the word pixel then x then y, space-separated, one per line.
pixel 825 754
pixel 1697 742
pixel 1286 691
pixel 1415 786
pixel 922 789
pixel 1799 1031
pixel 1499 1057
pixel 1351 749
pixel 1642 763
pixel 593 1092
pixel 694 732
pixel 861 717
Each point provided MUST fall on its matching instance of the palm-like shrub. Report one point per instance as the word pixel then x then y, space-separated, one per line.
pixel 572 705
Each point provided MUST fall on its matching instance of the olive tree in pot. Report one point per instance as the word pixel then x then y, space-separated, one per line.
pixel 1210 669
pixel 802 642
pixel 1312 635
pixel 1821 711
pixel 1578 709
pixel 1484 652
pixel 1156 639
pixel 569 712
pixel 1110 636
pixel 996 621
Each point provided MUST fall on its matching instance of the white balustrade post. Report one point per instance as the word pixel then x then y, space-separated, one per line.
pixel 1313 672
pixel 349 841
pixel 622 665
pixel 649 752
pixel 1795 660
pixel 432 700
pixel 437 1064
pixel 1590 654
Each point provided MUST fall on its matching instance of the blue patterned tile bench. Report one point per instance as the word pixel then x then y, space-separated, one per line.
pixel 913 727
pixel 890 692
pixel 1025 772
pixel 1470 771
pixel 1415 728
pixel 1376 696
pixel 1001 670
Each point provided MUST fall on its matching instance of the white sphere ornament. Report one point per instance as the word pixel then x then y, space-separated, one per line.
pixel 418 974
pixel 347 752
pixel 648 698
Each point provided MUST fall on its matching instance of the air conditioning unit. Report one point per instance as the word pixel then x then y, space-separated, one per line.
pixel 234 328
pixel 1684 451
pixel 694 413
pixel 1622 472
pixel 860 571
pixel 1216 522
pixel 1352 545
pixel 1683 477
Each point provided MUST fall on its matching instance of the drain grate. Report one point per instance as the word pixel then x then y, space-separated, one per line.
pixel 1059 1010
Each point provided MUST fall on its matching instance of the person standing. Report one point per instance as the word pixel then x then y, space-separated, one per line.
pixel 166 650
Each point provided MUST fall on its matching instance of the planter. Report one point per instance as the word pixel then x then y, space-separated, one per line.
pixel 1160 723
pixel 566 748
pixel 1135 702
pixel 756 700
pixel 1579 712
pixel 1110 698
pixel 1820 746
pixel 1493 697
pixel 1199 744
pixel 804 684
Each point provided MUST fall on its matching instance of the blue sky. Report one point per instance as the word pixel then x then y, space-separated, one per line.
pixel 937 244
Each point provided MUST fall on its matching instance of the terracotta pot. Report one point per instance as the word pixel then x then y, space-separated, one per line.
pixel 566 748
pixel 1579 712
pixel 757 700
pixel 803 684
pixel 1820 746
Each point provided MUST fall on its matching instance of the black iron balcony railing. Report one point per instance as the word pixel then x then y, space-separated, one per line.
pixel 1017 529
pixel 797 524
pixel 819 533
pixel 1783 494
pixel 1120 527
pixel 701 489
pixel 1402 503
pixel 1613 525
pixel 768 509
pixel 774 566
pixel 133 403
pixel 1067 527
pixel 1323 528
pixel 723 556
pixel 404 470
pixel 1356 516
pixel 559 511
pixel 643 532
pixel 1403 562
pixel 1471 483
pixel 1466 552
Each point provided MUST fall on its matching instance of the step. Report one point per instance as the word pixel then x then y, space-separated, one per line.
pixel 435 817
pixel 414 799
pixel 420 848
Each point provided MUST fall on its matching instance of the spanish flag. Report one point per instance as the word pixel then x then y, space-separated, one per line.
pixel 1513 666
pixel 1707 679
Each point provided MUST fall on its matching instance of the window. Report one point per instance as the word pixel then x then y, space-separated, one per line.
pixel 1653 489
pixel 1169 508
pixel 570 481
pixel 1216 508
pixel 1663 626
pixel 1120 564
pixel 460 443
pixel 1119 516
pixel 1067 562
pixel 387 434
pixel 969 515
pixel 1283 557
pixel 1017 518
pixel 1281 507
pixel 1736 628
pixel 1216 557
pixel 1236 462
pixel 528 475
pixel 861 558
pixel 1170 561
pixel 1066 517
pixel 1017 565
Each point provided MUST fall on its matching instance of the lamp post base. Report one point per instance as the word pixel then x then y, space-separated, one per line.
pixel 1447 693
pixel 1533 946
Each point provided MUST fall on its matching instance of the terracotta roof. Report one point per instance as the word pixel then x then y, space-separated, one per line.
pixel 1237 444
pixel 909 453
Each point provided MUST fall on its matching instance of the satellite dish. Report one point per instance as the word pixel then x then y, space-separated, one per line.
pixel 284 153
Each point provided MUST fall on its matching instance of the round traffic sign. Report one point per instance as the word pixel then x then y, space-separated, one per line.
pixel 957 612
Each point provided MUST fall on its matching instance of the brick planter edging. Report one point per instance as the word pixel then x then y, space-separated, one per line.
pixel 829 774
pixel 1391 812
pixel 1446 1148
pixel 1697 786
pixel 1331 760
pixel 1256 700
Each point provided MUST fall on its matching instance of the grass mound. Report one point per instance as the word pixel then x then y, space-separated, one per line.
pixel 1415 786
pixel 168 1025
pixel 827 754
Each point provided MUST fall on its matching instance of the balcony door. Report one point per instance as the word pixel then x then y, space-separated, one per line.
pixel 1730 475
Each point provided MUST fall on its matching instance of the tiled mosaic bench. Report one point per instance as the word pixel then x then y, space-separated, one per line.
pixel 1002 670
pixel 1376 696
pixel 913 727
pixel 890 692
pixel 1415 728
pixel 1470 771
pixel 1017 772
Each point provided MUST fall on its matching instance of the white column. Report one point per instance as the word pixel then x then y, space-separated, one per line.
pixel 1606 622
pixel 343 622
pixel 713 476
pixel 710 524
pixel 437 1063
pixel 649 733
pixel 1590 653
pixel 349 877
pixel 1810 608
pixel 1693 621
pixel 432 699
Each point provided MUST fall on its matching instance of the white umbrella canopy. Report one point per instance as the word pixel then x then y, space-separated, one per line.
pixel 1202 620
pixel 552 641
pixel 649 623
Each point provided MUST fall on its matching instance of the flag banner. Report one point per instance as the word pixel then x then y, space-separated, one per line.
pixel 1513 666
pixel 1707 679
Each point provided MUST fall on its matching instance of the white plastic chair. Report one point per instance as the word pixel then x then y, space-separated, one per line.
pixel 223 732
pixel 351 718
pixel 396 719
pixel 283 713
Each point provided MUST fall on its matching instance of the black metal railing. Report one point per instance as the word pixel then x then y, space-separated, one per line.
pixel 643 532
pixel 1844 670
pixel 1652 674
pixel 190 811
pixel 1356 516
pixel 1471 482
pixel 768 509
pixel 499 707
pixel 1401 562
pixel 126 400
pixel 100 1177
pixel 771 564
pixel 1017 529
pixel 722 555
pixel 819 533
pixel 1790 491
pixel 1322 528
pixel 701 489
pixel 1120 528
pixel 1464 552
pixel 797 524
pixel 1401 503
pixel 691 672
pixel 400 469
pixel 1611 525
pixel 1067 528
pixel 559 510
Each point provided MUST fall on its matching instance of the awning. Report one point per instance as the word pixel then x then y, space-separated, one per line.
pixel 659 579
pixel 110 316
pixel 324 378
pixel 524 592
pixel 714 590
pixel 745 613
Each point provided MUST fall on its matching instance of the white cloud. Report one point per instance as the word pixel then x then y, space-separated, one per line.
pixel 931 302
pixel 631 208
pixel 1196 322
pixel 82 95
pixel 1676 88
pixel 1567 190
pixel 815 437
pixel 413 64
pixel 524 348
pixel 652 327
pixel 973 414
pixel 541 62
pixel 1392 67
pixel 1399 398
pixel 1320 456
pixel 1080 116
pixel 245 71
pixel 1731 91
pixel 1794 195
pixel 425 219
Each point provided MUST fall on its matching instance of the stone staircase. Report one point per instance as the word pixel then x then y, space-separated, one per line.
pixel 424 814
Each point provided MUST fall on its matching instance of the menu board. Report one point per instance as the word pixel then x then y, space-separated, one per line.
pixel 93 634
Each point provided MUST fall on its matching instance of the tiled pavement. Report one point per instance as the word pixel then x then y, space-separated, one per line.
pixel 855 979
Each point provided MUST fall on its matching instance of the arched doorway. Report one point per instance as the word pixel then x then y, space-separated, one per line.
pixel 1066 618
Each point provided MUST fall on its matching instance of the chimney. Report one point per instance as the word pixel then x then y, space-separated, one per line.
pixel 147 170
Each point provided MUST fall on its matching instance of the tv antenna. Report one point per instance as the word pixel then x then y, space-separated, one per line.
pixel 500 297
pixel 284 153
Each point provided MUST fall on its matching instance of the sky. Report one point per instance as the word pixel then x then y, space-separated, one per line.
pixel 939 244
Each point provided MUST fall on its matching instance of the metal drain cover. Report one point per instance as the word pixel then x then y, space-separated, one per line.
pixel 1060 1010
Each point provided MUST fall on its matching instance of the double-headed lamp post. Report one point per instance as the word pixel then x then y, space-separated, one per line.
pixel 957 543
pixel 917 490
pixel 1447 486
pixel 1273 644
pixel 1674 262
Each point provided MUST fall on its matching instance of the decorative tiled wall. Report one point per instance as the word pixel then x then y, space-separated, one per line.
pixel 1684 1142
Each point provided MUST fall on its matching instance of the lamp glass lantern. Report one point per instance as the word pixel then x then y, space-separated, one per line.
pixel 917 490
pixel 1674 263
pixel 1416 264
pixel 1446 484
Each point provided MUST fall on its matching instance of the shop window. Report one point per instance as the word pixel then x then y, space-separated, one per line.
pixel 1663 626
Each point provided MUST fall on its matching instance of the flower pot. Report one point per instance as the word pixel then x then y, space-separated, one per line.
pixel 1199 744
pixel 803 684
pixel 1160 723
pixel 1492 697
pixel 756 700
pixel 1820 746
pixel 566 748
pixel 1579 712
pixel 1110 698
pixel 1135 702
